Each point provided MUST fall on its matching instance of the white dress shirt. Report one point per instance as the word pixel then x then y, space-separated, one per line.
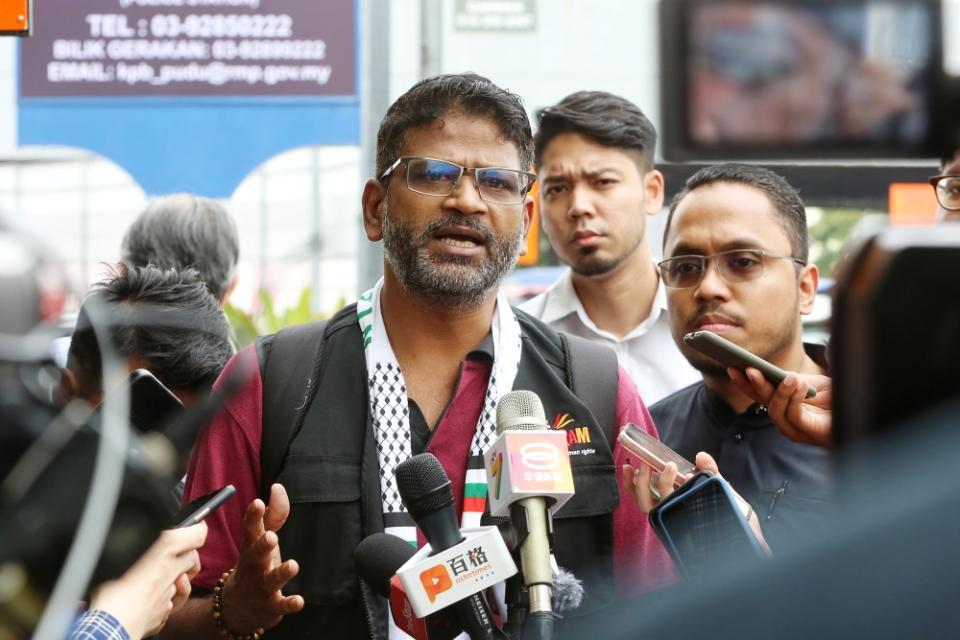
pixel 647 353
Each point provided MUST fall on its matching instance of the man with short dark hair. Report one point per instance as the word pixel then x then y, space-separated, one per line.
pixel 598 184
pixel 947 188
pixel 416 365
pixel 736 264
pixel 185 354
pixel 181 231
pixel 185 230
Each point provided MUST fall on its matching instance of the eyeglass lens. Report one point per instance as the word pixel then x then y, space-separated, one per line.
pixel 948 192
pixel 735 266
pixel 439 178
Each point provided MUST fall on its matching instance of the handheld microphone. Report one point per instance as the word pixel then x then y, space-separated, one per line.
pixel 529 477
pixel 567 588
pixel 378 557
pixel 425 490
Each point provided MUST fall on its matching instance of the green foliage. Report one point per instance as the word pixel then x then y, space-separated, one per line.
pixel 246 326
pixel 829 235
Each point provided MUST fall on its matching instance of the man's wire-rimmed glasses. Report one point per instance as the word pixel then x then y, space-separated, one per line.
pixel 433 177
pixel 737 265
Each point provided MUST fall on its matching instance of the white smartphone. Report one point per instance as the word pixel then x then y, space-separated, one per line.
pixel 654 453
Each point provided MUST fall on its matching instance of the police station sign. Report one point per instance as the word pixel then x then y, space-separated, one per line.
pixel 258 48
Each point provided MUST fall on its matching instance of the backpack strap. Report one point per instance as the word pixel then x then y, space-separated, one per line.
pixel 593 375
pixel 287 378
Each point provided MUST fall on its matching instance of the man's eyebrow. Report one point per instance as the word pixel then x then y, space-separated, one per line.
pixel 685 249
pixel 559 176
pixel 592 173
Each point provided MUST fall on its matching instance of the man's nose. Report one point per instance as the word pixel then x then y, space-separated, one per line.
pixel 581 204
pixel 465 197
pixel 712 285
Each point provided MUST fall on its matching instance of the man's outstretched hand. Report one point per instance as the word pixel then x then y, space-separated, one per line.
pixel 252 598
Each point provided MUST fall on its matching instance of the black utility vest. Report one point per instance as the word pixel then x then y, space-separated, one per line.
pixel 331 476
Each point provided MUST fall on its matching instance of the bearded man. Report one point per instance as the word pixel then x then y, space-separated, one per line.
pixel 416 365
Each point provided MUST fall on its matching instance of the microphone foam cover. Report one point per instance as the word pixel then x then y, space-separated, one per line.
pixel 520 411
pixel 423 484
pixel 378 556
pixel 567 592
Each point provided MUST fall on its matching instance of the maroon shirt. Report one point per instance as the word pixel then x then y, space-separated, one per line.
pixel 228 452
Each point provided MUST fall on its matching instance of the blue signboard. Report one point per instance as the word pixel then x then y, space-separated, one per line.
pixel 190 95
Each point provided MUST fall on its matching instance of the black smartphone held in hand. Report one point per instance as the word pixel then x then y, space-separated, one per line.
pixel 152 405
pixel 731 355
pixel 654 453
pixel 703 528
pixel 208 506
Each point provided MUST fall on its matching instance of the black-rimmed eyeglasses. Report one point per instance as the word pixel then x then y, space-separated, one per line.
pixel 433 177
pixel 947 189
pixel 738 265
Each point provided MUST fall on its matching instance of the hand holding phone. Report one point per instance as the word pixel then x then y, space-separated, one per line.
pixel 654 453
pixel 731 355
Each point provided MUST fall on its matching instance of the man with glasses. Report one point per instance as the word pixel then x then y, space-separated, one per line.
pixel 416 365
pixel 947 187
pixel 736 263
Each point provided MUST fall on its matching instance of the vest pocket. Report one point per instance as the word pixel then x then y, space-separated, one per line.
pixel 596 491
pixel 324 527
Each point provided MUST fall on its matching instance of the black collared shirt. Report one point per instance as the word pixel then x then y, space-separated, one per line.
pixel 787 483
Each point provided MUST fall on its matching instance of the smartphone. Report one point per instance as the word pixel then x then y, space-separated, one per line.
pixel 704 530
pixel 208 506
pixel 730 355
pixel 152 405
pixel 654 453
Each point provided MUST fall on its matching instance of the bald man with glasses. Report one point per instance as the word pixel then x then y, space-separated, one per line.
pixel 735 263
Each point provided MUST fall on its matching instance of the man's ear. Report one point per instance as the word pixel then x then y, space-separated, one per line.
pixel 528 213
pixel 374 201
pixel 809 280
pixel 653 190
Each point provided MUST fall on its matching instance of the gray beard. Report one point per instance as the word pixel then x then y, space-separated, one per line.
pixel 450 281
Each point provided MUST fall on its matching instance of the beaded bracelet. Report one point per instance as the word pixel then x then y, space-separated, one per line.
pixel 218 614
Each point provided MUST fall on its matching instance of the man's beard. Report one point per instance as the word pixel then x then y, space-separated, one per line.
pixel 450 280
pixel 593 264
